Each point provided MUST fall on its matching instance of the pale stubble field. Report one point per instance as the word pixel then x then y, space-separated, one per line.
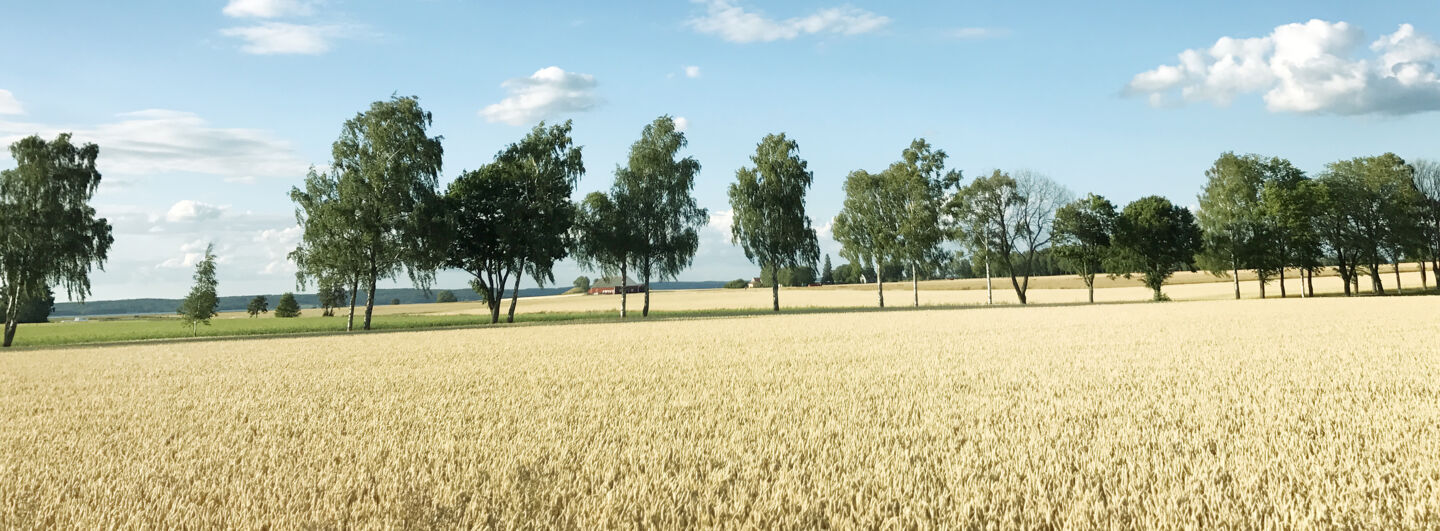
pixel 1282 413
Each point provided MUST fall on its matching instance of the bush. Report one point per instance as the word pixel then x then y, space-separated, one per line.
pixel 582 284
pixel 394 302
pixel 446 296
pixel 738 283
pixel 287 307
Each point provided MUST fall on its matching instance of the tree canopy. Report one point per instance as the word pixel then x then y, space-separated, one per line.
pixel 1083 229
pixel 49 233
pixel 768 201
pixel 203 303
pixel 1154 239
pixel 655 188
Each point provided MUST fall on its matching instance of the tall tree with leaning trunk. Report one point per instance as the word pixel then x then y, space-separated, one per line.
pixel 1154 239
pixel 49 235
pixel 868 225
pixel 548 166
pixel 916 184
pixel 486 234
pixel 1083 230
pixel 768 201
pixel 388 168
pixel 331 253
pixel 203 303
pixel 656 187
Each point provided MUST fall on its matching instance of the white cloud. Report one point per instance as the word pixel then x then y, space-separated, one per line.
pixel 162 141
pixel 733 23
pixel 979 33
pixel 282 38
pixel 266 8
pixel 277 244
pixel 1304 68
pixel 721 220
pixel 549 92
pixel 8 103
pixel 191 253
pixel 189 210
pixel 682 123
pixel 692 72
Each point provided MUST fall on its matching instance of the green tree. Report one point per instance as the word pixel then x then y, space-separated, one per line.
pixel 488 234
pixel 1290 208
pixel 605 239
pixel 330 295
pixel 202 303
pixel 49 235
pixel 656 189
pixel 1382 206
pixel 37 309
pixel 827 273
pixel 1336 222
pixel 446 296
pixel 917 184
pixel 386 169
pixel 1083 229
pixel 258 305
pixel 332 251
pixel 1427 183
pixel 768 202
pixel 547 166
pixel 1154 238
pixel 1233 222
pixel 1007 221
pixel 287 307
pixel 394 302
pixel 581 284
pixel 868 224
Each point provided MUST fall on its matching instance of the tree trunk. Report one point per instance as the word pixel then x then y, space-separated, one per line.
pixel 1158 295
pixel 1282 282
pixel 1424 282
pixel 370 299
pixel 775 287
pixel 354 294
pixel 1398 290
pixel 645 311
pixel 1235 271
pixel 1262 282
pixel 514 295
pixel 624 289
pixel 1090 286
pixel 1375 282
pixel 880 282
pixel 1310 282
pixel 12 310
pixel 1019 291
pixel 915 283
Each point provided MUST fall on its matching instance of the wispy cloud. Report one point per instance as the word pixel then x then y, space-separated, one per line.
pixel 8 103
pixel 266 8
pixel 282 38
pixel 733 23
pixel 978 33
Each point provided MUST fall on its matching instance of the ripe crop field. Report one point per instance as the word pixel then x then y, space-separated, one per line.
pixel 1282 413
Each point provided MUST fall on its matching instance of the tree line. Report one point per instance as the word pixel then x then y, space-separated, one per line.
pixel 376 211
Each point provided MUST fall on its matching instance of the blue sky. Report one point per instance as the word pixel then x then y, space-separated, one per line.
pixel 207 112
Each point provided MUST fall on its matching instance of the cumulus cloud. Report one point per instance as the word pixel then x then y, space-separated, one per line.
pixel 189 211
pixel 277 244
pixel 8 103
pixel 162 141
pixel 735 24
pixel 682 123
pixel 692 72
pixel 283 38
pixel 266 8
pixel 549 92
pixel 191 253
pixel 1304 68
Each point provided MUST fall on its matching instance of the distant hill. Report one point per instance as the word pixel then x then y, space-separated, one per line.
pixel 308 300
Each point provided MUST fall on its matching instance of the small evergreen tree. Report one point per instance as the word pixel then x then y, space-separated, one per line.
pixel 287 307
pixel 827 274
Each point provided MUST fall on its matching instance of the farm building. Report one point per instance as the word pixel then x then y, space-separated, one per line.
pixel 611 286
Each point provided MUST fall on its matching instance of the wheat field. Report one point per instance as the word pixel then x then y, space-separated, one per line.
pixel 1278 414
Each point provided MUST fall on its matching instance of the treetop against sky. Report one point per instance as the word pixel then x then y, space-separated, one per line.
pixel 207 113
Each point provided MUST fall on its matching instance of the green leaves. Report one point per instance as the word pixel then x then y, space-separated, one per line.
pixel 49 234
pixel 203 303
pixel 1154 238
pixel 654 190
pixel 768 201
